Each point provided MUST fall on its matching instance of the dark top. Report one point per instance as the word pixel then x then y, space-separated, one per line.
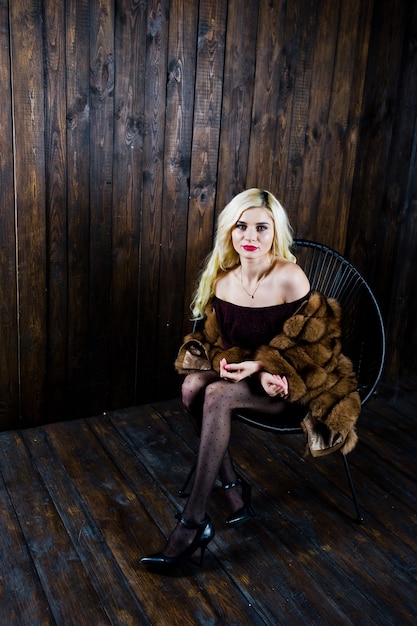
pixel 251 327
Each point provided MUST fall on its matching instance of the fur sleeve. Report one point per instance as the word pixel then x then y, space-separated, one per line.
pixel 307 348
pixel 308 353
pixel 209 336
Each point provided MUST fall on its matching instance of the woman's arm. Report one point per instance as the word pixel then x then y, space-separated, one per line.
pixel 238 371
pixel 273 384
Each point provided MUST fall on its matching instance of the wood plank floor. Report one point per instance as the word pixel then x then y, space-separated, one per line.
pixel 82 501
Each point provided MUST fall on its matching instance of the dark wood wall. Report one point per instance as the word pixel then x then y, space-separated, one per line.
pixel 125 127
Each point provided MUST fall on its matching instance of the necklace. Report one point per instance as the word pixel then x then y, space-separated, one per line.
pixel 251 295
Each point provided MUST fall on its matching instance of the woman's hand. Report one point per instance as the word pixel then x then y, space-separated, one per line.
pixel 274 385
pixel 238 371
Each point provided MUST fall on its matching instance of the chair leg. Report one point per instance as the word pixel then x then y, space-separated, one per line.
pixel 352 488
pixel 182 492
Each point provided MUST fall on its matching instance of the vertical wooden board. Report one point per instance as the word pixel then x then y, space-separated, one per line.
pixel 336 145
pixel 177 161
pixel 305 14
pixel 238 86
pixel 130 51
pixel 78 203
pixel 376 218
pixel 309 209
pixel 56 186
pixel 205 145
pixel 101 182
pixel 266 96
pixel 9 377
pixel 29 126
pixel 289 58
pixel 356 101
pixel 381 84
pixel 335 190
pixel 405 358
pixel 155 103
pixel 58 566
pixel 398 227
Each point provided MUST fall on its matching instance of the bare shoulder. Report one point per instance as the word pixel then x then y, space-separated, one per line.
pixel 293 280
pixel 223 284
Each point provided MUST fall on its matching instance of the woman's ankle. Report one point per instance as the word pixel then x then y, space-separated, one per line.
pixel 179 539
pixel 233 494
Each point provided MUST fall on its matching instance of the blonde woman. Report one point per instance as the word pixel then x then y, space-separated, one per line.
pixel 250 286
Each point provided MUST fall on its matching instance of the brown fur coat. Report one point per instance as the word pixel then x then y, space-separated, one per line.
pixel 308 353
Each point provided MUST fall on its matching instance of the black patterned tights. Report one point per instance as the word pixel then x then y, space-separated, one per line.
pixel 210 400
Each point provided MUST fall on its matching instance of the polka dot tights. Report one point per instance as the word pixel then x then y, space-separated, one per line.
pixel 210 401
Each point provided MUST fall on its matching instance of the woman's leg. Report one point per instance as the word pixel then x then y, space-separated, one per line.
pixel 220 398
pixel 192 392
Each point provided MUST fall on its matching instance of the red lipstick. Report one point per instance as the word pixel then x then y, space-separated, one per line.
pixel 250 248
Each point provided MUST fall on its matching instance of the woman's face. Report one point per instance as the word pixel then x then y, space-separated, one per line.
pixel 253 235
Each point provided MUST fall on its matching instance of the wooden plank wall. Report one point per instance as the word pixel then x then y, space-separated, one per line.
pixel 126 126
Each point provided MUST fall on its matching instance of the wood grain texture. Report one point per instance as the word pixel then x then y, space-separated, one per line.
pixel 238 84
pixel 205 145
pixel 173 313
pixel 306 20
pixel 397 228
pixel 83 500
pixel 56 188
pixel 335 186
pixel 383 74
pixel 152 177
pixel 310 208
pixel 129 134
pixel 388 134
pixel 102 72
pixel 49 557
pixel 354 116
pixel 28 102
pixel 127 126
pixel 9 333
pixel 271 21
pixel 78 203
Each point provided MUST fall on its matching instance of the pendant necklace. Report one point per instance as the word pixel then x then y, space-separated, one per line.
pixel 251 295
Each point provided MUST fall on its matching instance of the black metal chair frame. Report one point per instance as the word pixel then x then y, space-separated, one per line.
pixel 363 338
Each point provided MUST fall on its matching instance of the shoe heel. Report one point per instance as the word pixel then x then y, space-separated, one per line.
pixel 162 563
pixel 202 553
pixel 204 541
pixel 246 511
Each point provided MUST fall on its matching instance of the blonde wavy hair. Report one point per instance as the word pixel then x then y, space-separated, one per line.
pixel 224 257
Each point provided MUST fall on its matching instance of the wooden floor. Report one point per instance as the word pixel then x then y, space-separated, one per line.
pixel 82 501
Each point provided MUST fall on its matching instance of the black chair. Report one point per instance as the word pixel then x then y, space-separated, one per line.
pixel 363 338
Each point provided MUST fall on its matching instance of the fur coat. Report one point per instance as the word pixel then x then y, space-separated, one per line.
pixel 308 353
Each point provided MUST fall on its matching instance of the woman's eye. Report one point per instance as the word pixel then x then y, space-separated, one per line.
pixel 241 226
pixel 262 227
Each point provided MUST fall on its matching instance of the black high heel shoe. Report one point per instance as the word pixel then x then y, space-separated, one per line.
pixel 167 564
pixel 246 511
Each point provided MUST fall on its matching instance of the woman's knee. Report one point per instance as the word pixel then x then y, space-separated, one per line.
pixel 193 385
pixel 216 394
pixel 228 395
pixel 192 382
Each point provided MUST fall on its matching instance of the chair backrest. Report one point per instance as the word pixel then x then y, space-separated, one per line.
pixel 362 325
